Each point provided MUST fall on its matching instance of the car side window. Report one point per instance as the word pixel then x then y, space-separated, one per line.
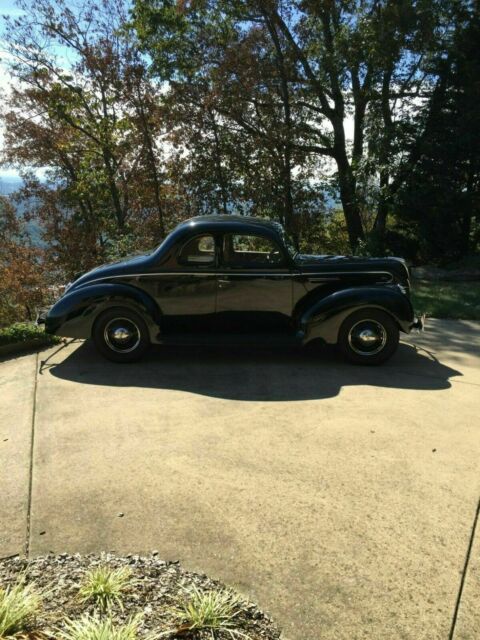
pixel 244 251
pixel 199 251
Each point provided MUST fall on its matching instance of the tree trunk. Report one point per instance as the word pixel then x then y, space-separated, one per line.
pixel 351 209
pixel 287 195
pixel 468 215
pixel 114 194
pixel 347 183
pixel 288 209
pixel 152 162
pixel 218 164
pixel 380 223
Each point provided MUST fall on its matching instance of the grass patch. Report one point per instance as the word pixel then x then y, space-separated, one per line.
pixel 211 611
pixel 458 300
pixel 471 261
pixel 24 332
pixel 18 606
pixel 104 586
pixel 94 627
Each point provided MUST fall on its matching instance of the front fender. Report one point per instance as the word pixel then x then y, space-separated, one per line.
pixel 74 314
pixel 324 317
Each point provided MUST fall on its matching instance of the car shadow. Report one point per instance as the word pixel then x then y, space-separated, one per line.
pixel 251 374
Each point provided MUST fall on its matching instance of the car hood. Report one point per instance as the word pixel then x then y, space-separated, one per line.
pixel 128 264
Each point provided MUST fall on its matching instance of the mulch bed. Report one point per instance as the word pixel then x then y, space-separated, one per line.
pixel 157 588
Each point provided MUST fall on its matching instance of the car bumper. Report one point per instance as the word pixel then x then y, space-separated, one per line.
pixel 42 316
pixel 419 323
pixel 50 323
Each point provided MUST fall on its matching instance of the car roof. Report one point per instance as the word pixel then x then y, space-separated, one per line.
pixel 209 222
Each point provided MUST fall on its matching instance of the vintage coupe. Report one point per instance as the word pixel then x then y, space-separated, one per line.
pixel 237 279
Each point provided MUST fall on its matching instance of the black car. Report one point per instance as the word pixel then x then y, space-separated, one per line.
pixel 237 279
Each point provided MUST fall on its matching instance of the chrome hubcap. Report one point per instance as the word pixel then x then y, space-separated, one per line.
pixel 122 335
pixel 367 337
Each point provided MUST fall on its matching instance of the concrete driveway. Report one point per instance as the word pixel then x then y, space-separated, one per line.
pixel 342 499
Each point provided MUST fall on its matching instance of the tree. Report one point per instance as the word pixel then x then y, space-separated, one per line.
pixel 207 106
pixel 22 283
pixel 326 61
pixel 441 198
pixel 93 122
pixel 230 92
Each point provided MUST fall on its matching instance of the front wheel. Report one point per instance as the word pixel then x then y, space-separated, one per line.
pixel 369 336
pixel 121 335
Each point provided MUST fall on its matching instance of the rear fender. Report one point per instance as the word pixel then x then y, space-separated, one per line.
pixel 325 316
pixel 75 313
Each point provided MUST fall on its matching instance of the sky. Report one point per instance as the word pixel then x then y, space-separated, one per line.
pixel 7 7
pixel 10 9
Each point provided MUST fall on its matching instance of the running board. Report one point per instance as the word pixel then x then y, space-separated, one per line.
pixel 231 340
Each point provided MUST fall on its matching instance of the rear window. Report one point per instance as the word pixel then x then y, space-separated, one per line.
pixel 199 251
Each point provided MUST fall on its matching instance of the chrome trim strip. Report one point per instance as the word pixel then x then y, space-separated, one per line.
pixel 323 279
pixel 324 275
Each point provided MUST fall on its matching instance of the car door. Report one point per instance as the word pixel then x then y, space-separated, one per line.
pixel 254 293
pixel 187 295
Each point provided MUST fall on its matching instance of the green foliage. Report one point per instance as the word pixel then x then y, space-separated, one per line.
pixel 24 332
pixel 324 234
pixel 271 75
pixel 98 131
pixel 104 586
pixel 211 611
pixel 22 280
pixel 457 300
pixel 122 246
pixel 94 627
pixel 440 201
pixel 18 606
pixel 470 261
pixel 372 246
pixel 165 28
pixel 172 109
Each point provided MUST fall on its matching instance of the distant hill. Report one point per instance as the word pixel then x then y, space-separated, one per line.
pixel 9 184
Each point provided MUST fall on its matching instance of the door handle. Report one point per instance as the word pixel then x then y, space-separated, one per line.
pixel 224 283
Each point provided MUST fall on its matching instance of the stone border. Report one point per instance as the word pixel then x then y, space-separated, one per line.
pixel 27 345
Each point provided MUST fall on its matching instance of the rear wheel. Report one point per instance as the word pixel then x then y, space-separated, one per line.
pixel 121 335
pixel 369 336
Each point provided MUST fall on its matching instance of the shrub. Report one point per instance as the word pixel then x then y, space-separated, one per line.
pixel 104 586
pixel 18 605
pixel 94 627
pixel 24 331
pixel 211 611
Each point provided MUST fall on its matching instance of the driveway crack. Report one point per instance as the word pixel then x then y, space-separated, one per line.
pixel 464 572
pixel 30 472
